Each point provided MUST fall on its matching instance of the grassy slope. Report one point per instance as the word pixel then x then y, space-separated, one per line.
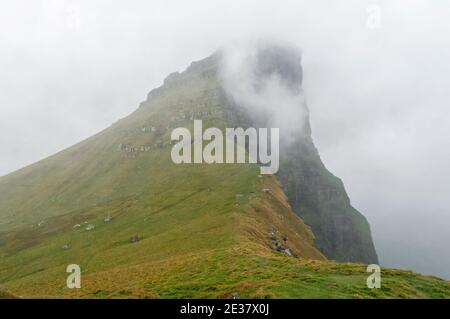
pixel 6 295
pixel 221 266
pixel 199 238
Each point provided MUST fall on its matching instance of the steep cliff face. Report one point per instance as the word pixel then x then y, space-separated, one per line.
pixel 315 194
pixel 319 197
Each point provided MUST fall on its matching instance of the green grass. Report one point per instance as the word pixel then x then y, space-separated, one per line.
pixel 249 271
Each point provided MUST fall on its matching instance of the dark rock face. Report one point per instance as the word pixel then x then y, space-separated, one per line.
pixel 316 195
pixel 319 197
pixel 282 62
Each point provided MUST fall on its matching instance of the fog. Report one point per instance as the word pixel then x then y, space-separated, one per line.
pixel 375 80
pixel 267 95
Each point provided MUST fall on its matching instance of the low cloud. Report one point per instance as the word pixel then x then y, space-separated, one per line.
pixel 275 96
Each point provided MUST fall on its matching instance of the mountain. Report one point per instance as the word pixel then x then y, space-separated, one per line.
pixel 140 226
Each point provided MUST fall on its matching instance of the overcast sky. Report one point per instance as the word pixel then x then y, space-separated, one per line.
pixel 377 88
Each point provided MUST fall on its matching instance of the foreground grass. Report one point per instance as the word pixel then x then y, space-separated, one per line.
pixel 247 271
pixel 6 295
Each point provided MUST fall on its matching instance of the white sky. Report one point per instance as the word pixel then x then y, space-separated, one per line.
pixel 379 98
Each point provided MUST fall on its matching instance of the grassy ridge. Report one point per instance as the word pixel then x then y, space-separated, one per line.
pixel 248 271
pixel 204 258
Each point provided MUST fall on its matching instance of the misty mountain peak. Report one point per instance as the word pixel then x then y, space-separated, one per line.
pixel 281 61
